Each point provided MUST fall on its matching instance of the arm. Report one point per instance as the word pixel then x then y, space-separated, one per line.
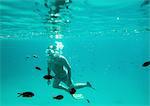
pixel 48 72
pixel 48 68
pixel 68 67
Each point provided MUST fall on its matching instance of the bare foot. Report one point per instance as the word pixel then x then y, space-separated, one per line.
pixel 89 85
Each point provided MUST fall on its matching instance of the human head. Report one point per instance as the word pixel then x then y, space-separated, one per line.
pixel 52 51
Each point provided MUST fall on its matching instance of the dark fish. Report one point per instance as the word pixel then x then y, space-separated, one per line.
pixel 72 91
pixel 38 68
pixel 88 100
pixel 46 5
pixel 146 64
pixel 26 94
pixel 58 97
pixel 27 57
pixel 47 77
pixel 35 56
pixel 146 2
pixel 147 29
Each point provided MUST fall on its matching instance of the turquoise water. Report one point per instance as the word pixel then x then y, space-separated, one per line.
pixel 105 42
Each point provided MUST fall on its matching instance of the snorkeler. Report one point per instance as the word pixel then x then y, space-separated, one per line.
pixel 62 71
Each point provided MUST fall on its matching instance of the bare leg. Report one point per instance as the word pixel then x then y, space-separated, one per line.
pixel 61 87
pixel 77 85
pixel 56 84
pixel 81 85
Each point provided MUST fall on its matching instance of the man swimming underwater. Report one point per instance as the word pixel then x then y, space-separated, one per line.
pixel 62 71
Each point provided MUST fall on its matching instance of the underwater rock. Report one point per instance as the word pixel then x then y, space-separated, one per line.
pixel 72 91
pixel 58 97
pixel 146 64
pixel 47 77
pixel 38 68
pixel 26 94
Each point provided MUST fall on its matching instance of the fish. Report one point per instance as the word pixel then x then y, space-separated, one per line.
pixel 47 77
pixel 58 97
pixel 146 64
pixel 35 56
pixel 26 94
pixel 46 5
pixel 147 29
pixel 88 100
pixel 145 2
pixel 38 68
pixel 27 57
pixel 72 91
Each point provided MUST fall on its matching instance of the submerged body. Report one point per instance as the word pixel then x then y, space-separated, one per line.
pixel 59 65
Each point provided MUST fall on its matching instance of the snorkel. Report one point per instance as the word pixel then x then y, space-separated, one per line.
pixel 54 50
pixel 51 51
